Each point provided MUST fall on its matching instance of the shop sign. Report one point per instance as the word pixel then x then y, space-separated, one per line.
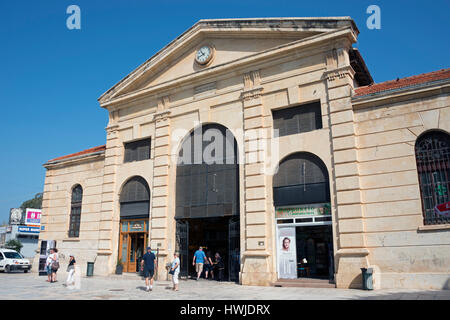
pixel 443 209
pixel 33 217
pixel 137 226
pixel 27 229
pixel 318 209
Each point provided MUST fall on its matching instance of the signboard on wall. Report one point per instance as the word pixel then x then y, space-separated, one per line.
pixel 33 217
pixel 27 229
pixel 318 209
pixel 287 253
pixel 443 209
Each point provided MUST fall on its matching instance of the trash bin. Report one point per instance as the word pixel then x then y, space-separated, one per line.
pixel 367 279
pixel 90 269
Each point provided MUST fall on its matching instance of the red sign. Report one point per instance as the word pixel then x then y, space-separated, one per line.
pixel 33 217
pixel 443 209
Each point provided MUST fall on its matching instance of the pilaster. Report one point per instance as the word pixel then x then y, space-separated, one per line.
pixel 352 253
pixel 158 231
pixel 256 264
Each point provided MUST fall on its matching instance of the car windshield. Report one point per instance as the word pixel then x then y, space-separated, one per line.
pixel 12 255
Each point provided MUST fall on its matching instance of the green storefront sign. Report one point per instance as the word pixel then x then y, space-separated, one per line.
pixel 320 209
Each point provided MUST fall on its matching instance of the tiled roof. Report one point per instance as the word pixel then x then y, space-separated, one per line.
pixel 87 151
pixel 403 82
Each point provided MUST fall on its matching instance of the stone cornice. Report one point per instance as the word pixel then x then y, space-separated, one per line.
pixel 75 160
pixel 243 62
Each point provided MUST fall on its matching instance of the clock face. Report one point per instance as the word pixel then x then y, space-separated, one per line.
pixel 204 55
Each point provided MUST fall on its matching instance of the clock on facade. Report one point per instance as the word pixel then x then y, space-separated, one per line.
pixel 204 54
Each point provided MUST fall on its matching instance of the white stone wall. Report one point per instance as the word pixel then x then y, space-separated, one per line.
pixel 401 251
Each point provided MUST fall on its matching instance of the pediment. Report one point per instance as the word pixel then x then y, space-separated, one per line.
pixel 231 39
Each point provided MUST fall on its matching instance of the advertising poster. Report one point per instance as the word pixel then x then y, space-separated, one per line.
pixel 33 217
pixel 287 253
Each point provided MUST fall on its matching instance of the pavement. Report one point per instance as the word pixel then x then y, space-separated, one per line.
pixel 32 286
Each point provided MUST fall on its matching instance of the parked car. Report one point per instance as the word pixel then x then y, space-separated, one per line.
pixel 11 260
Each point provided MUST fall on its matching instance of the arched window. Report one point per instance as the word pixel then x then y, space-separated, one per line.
pixel 75 211
pixel 207 182
pixel 135 198
pixel 302 178
pixel 433 167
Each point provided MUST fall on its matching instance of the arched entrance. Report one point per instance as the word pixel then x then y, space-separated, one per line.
pixel 207 198
pixel 134 214
pixel 301 197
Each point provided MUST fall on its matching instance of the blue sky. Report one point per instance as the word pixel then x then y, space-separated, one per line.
pixel 51 77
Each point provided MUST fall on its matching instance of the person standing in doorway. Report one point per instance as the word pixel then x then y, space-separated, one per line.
pixel 175 269
pixel 198 261
pixel 148 264
pixel 219 266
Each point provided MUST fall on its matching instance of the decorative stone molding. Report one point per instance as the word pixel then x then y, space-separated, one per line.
pixel 252 94
pixel 161 116
pixel 339 73
pixel 163 103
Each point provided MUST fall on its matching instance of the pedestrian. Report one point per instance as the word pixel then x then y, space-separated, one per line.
pixel 148 265
pixel 71 271
pixel 55 264
pixel 199 259
pixel 48 265
pixel 219 266
pixel 175 270
pixel 208 265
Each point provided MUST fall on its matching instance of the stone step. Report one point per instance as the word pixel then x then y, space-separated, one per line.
pixel 304 283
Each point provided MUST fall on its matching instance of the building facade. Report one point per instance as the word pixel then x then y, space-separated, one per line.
pixel 264 140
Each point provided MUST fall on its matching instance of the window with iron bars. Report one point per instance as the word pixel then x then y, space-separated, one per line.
pixel 75 212
pixel 433 165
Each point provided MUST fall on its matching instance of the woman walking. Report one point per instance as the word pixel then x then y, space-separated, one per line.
pixel 175 270
pixel 71 270
pixel 208 265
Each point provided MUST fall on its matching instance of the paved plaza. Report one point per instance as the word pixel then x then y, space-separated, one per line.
pixel 31 286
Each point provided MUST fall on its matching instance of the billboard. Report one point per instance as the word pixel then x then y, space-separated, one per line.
pixel 33 217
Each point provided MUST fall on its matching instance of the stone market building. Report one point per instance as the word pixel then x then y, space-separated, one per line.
pixel 316 173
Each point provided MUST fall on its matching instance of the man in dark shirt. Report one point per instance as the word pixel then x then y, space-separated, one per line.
pixel 148 264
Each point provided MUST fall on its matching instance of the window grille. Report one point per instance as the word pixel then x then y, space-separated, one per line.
pixel 137 150
pixel 302 178
pixel 75 211
pixel 135 198
pixel 207 190
pixel 299 119
pixel 433 167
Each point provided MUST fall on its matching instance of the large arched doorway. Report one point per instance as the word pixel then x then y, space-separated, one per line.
pixel 301 197
pixel 134 214
pixel 207 198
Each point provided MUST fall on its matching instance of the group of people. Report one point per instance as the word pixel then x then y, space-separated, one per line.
pixel 148 264
pixel 204 261
pixel 52 266
pixel 200 261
